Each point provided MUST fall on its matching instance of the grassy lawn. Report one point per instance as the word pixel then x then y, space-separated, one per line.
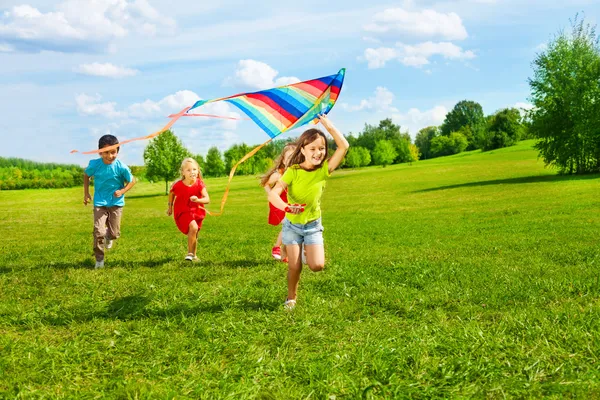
pixel 475 275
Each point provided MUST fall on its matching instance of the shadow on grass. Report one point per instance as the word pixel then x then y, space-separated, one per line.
pixel 4 270
pixel 145 196
pixel 89 263
pixel 135 308
pixel 246 263
pixel 514 181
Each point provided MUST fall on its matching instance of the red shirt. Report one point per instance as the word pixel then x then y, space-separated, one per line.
pixel 183 193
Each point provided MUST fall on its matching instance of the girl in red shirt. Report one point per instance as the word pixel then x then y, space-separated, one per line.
pixel 186 203
pixel 269 180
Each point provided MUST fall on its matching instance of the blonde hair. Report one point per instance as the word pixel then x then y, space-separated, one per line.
pixel 189 160
pixel 278 164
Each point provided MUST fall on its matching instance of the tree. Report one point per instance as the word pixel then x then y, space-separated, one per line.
pixel 163 157
pixel 214 163
pixel 384 153
pixel 386 130
pixel 414 152
pixel 234 154
pixel 448 145
pixel 423 140
pixel 465 113
pixel 503 129
pixel 566 97
pixel 358 157
pixel 402 148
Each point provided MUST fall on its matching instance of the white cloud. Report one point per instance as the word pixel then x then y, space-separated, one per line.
pixel 149 109
pixel 415 56
pixel 426 23
pixel 381 101
pixel 415 119
pixel 6 48
pixel 258 75
pixel 78 26
pixel 378 57
pixel 90 105
pixel 106 70
pixel 523 106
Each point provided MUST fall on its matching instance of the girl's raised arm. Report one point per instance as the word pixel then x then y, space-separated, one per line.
pixel 340 141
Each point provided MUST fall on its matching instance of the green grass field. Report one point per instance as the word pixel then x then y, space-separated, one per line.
pixel 475 275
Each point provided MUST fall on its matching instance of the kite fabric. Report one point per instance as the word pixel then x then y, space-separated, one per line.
pixel 287 107
pixel 275 111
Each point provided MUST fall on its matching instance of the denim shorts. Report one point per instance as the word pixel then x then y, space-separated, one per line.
pixel 309 233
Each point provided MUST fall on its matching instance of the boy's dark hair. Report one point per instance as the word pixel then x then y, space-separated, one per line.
pixel 108 140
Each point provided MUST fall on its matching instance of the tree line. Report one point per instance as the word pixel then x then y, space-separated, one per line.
pixel 17 173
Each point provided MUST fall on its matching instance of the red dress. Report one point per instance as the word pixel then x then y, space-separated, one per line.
pixel 184 210
pixel 275 214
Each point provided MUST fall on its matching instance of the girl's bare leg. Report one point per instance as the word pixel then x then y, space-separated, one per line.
pixel 315 256
pixel 193 238
pixel 294 269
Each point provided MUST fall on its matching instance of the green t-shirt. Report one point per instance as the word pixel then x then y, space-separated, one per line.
pixel 305 187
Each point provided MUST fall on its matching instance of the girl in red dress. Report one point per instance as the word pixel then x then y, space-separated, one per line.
pixel 269 180
pixel 186 203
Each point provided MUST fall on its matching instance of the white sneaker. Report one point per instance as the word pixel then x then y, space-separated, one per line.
pixel 189 257
pixel 289 305
pixel 109 244
pixel 99 264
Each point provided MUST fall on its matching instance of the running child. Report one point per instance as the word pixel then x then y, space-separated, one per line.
pixel 187 198
pixel 112 179
pixel 269 180
pixel 305 180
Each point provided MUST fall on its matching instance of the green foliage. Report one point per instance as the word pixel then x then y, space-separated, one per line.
pixel 465 113
pixel 414 152
pixel 384 153
pixel 503 129
pixel 139 171
pixel 441 282
pixel 370 135
pixel 17 173
pixel 566 97
pixel 163 157
pixel 214 163
pixel 357 157
pixel 402 148
pixel 423 141
pixel 448 145
pixel 200 160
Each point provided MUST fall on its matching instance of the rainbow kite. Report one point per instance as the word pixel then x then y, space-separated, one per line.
pixel 287 107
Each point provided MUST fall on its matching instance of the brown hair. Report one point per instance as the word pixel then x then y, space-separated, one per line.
pixel 305 139
pixel 278 164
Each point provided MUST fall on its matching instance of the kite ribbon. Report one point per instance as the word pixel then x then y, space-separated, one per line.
pixel 231 173
pixel 174 118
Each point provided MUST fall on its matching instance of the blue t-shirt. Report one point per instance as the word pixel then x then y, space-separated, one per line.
pixel 108 178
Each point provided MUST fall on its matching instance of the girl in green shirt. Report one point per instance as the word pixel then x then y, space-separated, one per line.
pixel 305 181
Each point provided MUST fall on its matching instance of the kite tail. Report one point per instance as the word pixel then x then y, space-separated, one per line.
pixel 174 119
pixel 231 173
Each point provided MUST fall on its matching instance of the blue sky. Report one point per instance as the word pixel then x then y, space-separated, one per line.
pixel 72 71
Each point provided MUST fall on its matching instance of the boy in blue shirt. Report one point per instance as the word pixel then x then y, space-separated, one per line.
pixel 112 179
